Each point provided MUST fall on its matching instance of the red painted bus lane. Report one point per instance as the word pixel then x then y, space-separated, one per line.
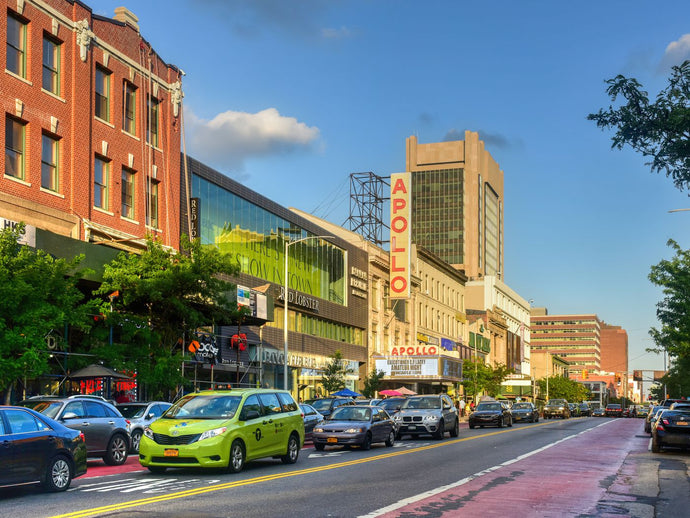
pixel 97 468
pixel 550 482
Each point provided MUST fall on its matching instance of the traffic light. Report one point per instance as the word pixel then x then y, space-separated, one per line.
pixel 585 374
pixel 618 379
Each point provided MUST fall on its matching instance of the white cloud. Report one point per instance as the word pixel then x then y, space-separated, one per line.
pixel 676 52
pixel 231 137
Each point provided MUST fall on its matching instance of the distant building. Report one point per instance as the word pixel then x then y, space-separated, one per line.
pixel 575 338
pixel 457 203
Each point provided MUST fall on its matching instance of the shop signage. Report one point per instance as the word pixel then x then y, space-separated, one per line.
pixel 400 236
pixel 415 350
pixel 421 337
pixel 408 367
pixel 28 238
pixel 194 217
pixel 359 282
pixel 299 299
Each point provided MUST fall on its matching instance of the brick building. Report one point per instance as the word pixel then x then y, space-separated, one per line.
pixel 91 126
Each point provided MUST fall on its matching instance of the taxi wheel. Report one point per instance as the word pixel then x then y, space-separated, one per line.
pixel 237 456
pixel 292 451
pixel 58 474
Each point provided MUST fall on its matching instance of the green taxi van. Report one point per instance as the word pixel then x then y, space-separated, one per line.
pixel 224 429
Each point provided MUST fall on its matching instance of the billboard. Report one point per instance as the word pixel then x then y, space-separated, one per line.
pixel 400 236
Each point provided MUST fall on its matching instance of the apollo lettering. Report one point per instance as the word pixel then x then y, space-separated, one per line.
pixel 425 350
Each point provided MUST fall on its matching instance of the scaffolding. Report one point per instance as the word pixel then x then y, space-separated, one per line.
pixel 366 206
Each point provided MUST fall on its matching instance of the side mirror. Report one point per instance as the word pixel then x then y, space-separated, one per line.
pixel 70 415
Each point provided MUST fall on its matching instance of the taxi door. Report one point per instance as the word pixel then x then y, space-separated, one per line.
pixel 258 429
pixel 273 413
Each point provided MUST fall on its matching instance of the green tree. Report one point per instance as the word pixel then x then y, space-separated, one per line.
pixel 676 381
pixel 38 295
pixel 673 311
pixel 372 383
pixel 564 388
pixel 333 378
pixel 481 378
pixel 659 130
pixel 156 301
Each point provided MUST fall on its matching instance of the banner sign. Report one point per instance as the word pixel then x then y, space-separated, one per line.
pixel 409 367
pixel 400 236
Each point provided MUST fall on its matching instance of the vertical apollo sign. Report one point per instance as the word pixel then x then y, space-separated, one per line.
pixel 400 236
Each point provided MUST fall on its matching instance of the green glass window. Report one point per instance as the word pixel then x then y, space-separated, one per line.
pixel 16 46
pixel 51 65
pixel 49 163
pixel 102 94
pixel 14 148
pixel 100 183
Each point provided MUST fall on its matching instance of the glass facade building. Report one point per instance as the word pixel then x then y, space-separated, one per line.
pixel 322 318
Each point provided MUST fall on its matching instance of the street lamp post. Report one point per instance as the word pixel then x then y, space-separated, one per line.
pixel 288 243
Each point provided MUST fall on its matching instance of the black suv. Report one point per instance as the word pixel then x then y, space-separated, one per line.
pixel 105 430
pixel 326 405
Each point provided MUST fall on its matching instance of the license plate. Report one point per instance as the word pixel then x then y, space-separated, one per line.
pixel 681 423
pixel 411 427
pixel 171 453
pixel 332 439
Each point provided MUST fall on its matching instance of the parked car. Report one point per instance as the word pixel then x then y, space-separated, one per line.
pixel 428 414
pixel 37 449
pixel 224 429
pixel 585 409
pixel 140 415
pixel 392 405
pixel 556 408
pixel 648 419
pixel 490 413
pixel 613 410
pixel 598 412
pixel 366 402
pixel 326 405
pixel 355 425
pixel 672 428
pixel 574 409
pixel 311 418
pixel 524 411
pixel 105 429
pixel 657 412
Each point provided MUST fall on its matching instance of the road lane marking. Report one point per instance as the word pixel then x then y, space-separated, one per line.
pixel 307 471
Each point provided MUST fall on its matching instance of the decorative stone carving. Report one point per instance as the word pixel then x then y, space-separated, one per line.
pixel 18 107
pixel 84 37
pixel 176 97
pixel 53 124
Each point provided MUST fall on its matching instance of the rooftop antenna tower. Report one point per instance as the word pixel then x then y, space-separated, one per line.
pixel 366 206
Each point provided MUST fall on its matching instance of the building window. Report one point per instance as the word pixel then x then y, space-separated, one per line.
pixel 127 193
pixel 152 203
pixel 100 183
pixel 49 163
pixel 15 134
pixel 152 121
pixel 102 94
pixel 51 65
pixel 129 103
pixel 16 46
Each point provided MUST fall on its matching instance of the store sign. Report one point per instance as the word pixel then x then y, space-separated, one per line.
pixel 28 238
pixel 358 282
pixel 410 367
pixel 400 236
pixel 194 218
pixel 415 350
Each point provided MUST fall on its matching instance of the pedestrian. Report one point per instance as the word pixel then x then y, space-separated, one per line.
pixel 461 407
pixel 471 406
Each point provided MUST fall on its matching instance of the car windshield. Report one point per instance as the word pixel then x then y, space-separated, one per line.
pixel 132 411
pixel 522 406
pixel 320 404
pixel 613 406
pixel 556 402
pixel 423 403
pixel 204 407
pixel 351 413
pixel 391 403
pixel 49 408
pixel 488 406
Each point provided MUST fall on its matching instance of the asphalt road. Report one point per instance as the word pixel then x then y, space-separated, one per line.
pixel 572 467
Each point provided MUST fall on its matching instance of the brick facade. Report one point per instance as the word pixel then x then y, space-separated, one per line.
pixel 86 48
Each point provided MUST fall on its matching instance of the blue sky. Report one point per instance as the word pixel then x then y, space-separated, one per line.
pixel 291 97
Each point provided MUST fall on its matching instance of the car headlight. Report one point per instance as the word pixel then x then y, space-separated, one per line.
pixel 148 432
pixel 353 430
pixel 431 418
pixel 397 417
pixel 318 429
pixel 212 433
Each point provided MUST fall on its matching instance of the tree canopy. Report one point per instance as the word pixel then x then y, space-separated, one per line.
pixel 333 378
pixel 372 383
pixel 564 388
pixel 155 301
pixel 481 378
pixel 673 311
pixel 659 130
pixel 39 298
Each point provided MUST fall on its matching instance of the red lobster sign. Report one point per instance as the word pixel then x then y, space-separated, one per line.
pixel 239 342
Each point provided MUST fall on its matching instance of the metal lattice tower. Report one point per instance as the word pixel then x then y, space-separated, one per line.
pixel 366 206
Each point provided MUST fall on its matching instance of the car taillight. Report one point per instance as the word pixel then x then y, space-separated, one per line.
pixel 665 421
pixel 659 426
